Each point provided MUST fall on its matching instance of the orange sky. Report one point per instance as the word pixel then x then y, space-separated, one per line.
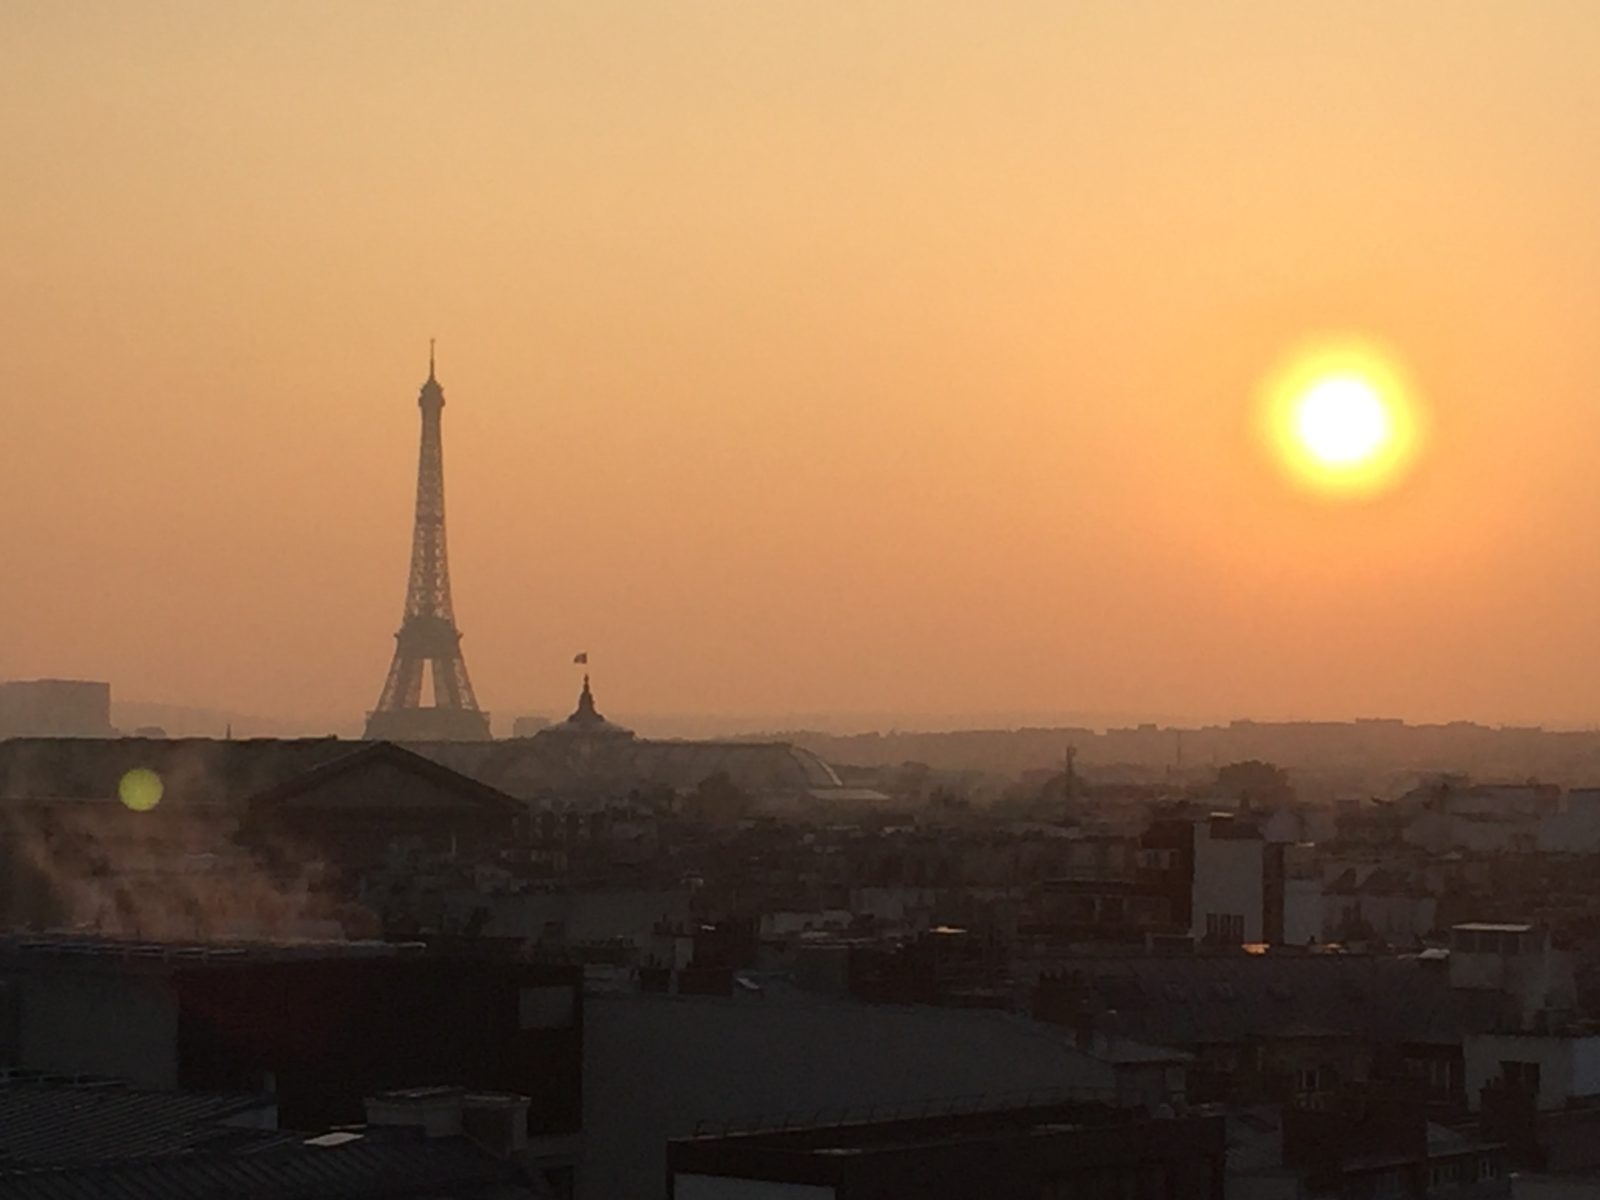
pixel 800 357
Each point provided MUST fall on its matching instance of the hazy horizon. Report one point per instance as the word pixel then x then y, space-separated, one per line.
pixel 200 721
pixel 800 359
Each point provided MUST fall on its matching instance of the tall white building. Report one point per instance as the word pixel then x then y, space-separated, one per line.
pixel 1229 876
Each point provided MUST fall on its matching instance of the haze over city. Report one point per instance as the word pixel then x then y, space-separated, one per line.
pixel 894 359
pixel 799 600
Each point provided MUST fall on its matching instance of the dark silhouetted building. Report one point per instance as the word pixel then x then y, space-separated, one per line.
pixel 351 810
pixel 318 1026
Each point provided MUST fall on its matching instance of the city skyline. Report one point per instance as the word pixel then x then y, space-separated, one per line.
pixel 853 364
pixel 1029 573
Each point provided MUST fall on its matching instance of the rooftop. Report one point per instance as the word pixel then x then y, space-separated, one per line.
pixel 207 773
pixel 365 1167
pixel 112 951
pixel 1184 1001
pixel 68 1140
pixel 51 1123
pixel 1006 1151
pixel 586 720
pixel 938 1128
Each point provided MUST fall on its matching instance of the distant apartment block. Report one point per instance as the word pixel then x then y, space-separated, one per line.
pixel 1229 860
pixel 55 708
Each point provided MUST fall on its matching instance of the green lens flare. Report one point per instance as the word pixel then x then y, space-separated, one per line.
pixel 140 789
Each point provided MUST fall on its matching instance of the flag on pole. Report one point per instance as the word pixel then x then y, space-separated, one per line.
pixel 581 658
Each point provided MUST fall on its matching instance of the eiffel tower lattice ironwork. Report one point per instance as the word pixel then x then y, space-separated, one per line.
pixel 428 641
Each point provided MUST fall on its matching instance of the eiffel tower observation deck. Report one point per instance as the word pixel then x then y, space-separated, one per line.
pixel 427 696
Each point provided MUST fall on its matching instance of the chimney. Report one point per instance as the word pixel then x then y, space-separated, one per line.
pixel 435 1111
pixel 497 1121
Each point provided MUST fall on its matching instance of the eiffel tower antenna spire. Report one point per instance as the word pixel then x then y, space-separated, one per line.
pixel 428 642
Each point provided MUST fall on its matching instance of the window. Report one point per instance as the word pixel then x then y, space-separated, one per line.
pixel 1148 910
pixel 1436 1074
pixel 1225 928
pixel 1488 1168
pixel 1520 1076
pixel 1316 1079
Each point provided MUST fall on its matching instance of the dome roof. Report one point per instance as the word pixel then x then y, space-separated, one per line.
pixel 586 719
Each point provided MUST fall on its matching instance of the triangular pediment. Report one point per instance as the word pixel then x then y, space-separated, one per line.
pixel 383 777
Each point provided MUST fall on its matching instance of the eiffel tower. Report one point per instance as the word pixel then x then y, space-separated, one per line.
pixel 428 635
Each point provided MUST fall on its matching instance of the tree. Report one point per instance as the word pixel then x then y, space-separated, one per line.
pixel 718 800
pixel 1257 784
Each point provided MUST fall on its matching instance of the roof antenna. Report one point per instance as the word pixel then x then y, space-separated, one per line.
pixel 430 358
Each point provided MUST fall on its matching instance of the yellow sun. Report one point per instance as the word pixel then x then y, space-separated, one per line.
pixel 1342 419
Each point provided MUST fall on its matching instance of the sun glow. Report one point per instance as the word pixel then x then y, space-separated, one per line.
pixel 1341 419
